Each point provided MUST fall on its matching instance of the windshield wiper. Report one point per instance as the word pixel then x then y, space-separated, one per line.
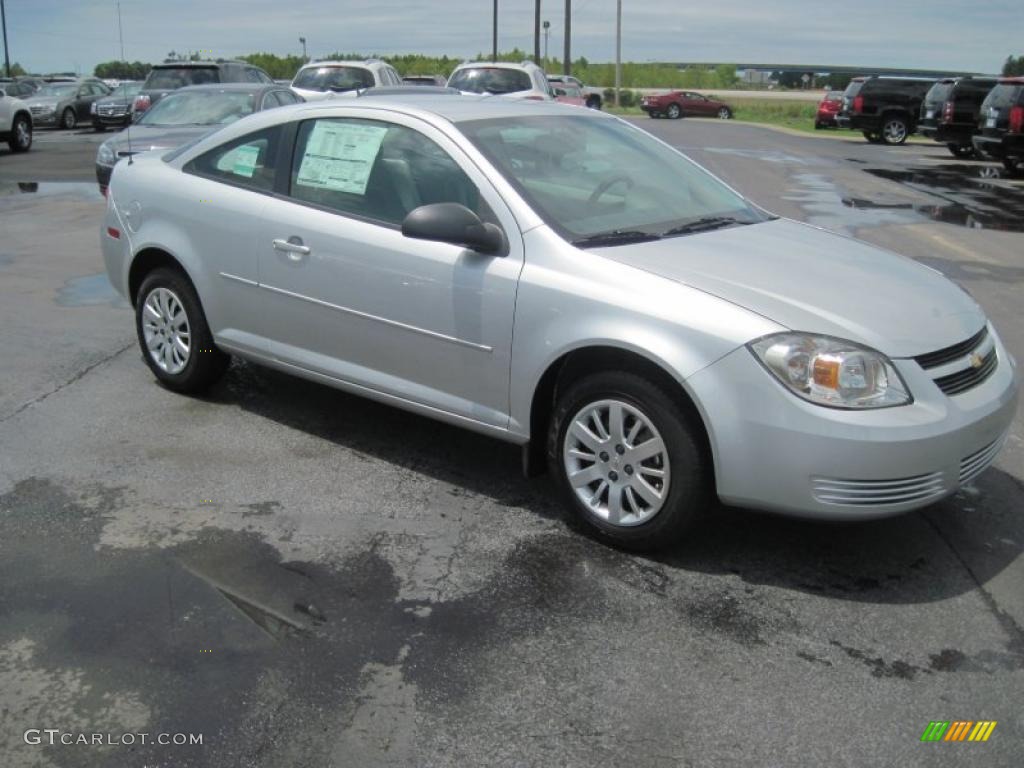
pixel 705 224
pixel 615 237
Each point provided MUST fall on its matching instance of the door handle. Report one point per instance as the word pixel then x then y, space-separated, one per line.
pixel 292 246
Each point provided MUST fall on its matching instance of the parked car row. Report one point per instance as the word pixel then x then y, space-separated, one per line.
pixel 970 115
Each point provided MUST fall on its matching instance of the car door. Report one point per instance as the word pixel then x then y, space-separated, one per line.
pixel 349 297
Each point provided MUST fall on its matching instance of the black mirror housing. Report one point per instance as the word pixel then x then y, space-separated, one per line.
pixel 456 224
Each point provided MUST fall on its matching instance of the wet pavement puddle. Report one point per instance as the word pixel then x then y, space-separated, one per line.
pixel 89 291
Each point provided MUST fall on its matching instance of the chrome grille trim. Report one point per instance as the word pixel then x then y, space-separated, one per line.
pixel 829 490
pixel 973 465
pixel 968 378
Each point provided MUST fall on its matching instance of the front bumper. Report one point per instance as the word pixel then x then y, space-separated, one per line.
pixel 776 452
pixel 44 119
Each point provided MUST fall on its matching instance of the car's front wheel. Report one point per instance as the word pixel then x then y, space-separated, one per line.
pixel 68 119
pixel 628 459
pixel 725 113
pixel 175 339
pixel 21 135
pixel 673 112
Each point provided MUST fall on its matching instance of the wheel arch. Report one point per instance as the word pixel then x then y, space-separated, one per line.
pixel 582 360
pixel 22 113
pixel 145 261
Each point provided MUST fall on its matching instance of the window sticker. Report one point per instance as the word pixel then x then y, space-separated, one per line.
pixel 240 161
pixel 339 156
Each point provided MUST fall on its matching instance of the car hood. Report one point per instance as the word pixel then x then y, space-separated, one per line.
pixel 43 100
pixel 808 279
pixel 145 138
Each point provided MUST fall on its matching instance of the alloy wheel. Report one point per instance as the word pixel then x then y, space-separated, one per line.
pixel 23 135
pixel 895 132
pixel 674 112
pixel 69 119
pixel 166 330
pixel 616 462
pixel 724 114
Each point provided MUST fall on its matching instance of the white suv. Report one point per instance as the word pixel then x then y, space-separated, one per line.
pixel 521 81
pixel 325 79
pixel 15 122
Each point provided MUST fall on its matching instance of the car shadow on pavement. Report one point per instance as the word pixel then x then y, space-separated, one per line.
pixel 945 550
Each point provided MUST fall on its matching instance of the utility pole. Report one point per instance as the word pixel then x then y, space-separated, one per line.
pixel 7 54
pixel 120 30
pixel 494 36
pixel 305 59
pixel 536 32
pixel 567 60
pixel 618 49
pixel 547 34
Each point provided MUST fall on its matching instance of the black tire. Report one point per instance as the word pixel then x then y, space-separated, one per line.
pixel 21 134
pixel 961 151
pixel 895 130
pixel 68 119
pixel 205 363
pixel 673 111
pixel 1011 164
pixel 594 102
pixel 872 137
pixel 690 484
pixel 725 113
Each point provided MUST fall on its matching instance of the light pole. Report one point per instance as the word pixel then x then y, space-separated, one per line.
pixel 494 34
pixel 618 49
pixel 547 34
pixel 7 55
pixel 305 59
pixel 567 63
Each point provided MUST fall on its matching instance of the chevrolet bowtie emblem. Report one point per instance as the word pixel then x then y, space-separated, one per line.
pixel 976 360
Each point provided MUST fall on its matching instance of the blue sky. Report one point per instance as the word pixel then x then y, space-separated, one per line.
pixel 52 35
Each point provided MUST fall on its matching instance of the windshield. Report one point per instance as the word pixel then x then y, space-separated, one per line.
pixel 199 108
pixel 334 79
pixel 1003 95
pixel 58 90
pixel 125 90
pixel 589 176
pixel 490 80
pixel 939 92
pixel 172 78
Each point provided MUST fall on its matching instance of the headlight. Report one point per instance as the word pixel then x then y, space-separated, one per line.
pixel 105 155
pixel 832 372
pixel 92 108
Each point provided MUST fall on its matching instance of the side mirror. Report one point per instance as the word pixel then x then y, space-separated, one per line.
pixel 456 224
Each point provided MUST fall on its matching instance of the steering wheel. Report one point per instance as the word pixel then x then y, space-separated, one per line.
pixel 607 184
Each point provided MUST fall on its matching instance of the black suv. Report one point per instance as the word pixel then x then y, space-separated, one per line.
pixel 1001 123
pixel 949 114
pixel 172 75
pixel 885 109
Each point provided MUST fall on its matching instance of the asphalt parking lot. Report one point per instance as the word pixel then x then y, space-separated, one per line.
pixel 310 579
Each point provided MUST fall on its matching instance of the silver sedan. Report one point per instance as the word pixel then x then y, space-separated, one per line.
pixel 560 279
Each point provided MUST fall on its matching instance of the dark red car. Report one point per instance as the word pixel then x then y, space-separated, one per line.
pixel 676 104
pixel 828 109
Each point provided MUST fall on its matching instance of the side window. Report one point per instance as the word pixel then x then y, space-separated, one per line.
pixel 376 170
pixel 247 161
pixel 253 76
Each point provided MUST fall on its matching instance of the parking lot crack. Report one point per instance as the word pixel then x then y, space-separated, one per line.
pixel 77 377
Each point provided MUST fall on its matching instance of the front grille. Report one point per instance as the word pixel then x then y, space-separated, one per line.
pixel 973 465
pixel 113 111
pixel 37 110
pixel 961 381
pixel 877 492
pixel 949 354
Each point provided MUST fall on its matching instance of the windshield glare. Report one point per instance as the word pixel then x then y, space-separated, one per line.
pixel 334 79
pixel 57 90
pixel 490 80
pixel 586 176
pixel 199 108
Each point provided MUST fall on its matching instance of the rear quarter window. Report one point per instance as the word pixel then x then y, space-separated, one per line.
pixel 248 161
pixel 1004 95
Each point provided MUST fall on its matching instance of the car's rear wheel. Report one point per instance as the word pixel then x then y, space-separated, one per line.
pixel 594 102
pixel 724 113
pixel 21 135
pixel 961 151
pixel 176 341
pixel 673 112
pixel 68 119
pixel 628 460
pixel 894 131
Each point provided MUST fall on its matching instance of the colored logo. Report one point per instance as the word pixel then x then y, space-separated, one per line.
pixel 976 360
pixel 958 730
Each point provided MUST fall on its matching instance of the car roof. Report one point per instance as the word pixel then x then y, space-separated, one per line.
pixel 234 87
pixel 456 109
pixel 497 65
pixel 1018 80
pixel 365 63
pixel 205 63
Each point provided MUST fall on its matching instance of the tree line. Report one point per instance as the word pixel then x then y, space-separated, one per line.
pixel 1014 66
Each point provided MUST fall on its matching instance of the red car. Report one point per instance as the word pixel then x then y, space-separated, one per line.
pixel 567 93
pixel 828 109
pixel 676 104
